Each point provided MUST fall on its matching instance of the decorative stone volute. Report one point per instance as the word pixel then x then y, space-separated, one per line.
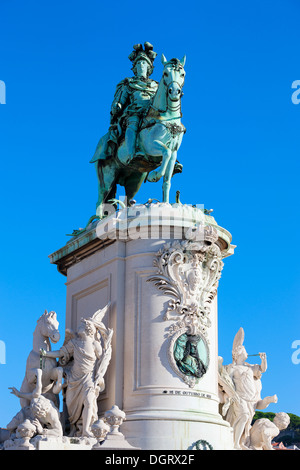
pixel 189 272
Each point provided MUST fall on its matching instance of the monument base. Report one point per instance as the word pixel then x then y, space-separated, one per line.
pixel 65 444
pixel 158 265
pixel 115 442
pixel 168 431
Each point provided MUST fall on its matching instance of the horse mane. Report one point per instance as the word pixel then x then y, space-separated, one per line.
pixel 176 63
pixel 160 97
pixel 46 314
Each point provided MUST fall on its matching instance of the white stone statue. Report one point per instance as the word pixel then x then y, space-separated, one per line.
pixel 86 356
pixel 46 331
pixel 48 415
pixel 39 418
pixel 240 385
pixel 264 430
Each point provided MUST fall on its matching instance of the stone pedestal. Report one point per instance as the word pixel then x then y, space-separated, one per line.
pixel 159 266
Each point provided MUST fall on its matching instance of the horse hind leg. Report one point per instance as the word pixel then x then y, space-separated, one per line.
pixel 133 184
pixel 106 186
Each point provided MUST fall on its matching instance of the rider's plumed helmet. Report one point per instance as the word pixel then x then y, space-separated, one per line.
pixel 140 53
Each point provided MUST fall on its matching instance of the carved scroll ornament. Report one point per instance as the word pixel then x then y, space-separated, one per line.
pixel 188 271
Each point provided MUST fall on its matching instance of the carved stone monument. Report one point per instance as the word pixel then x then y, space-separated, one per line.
pixel 159 266
pixel 142 311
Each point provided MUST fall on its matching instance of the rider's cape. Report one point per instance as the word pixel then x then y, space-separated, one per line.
pixel 108 144
pixel 103 149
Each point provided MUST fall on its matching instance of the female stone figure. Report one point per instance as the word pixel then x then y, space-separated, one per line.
pixel 244 397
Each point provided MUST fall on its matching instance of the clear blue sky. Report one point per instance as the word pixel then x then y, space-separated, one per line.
pixel 60 61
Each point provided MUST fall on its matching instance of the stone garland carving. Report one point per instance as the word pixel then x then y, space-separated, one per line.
pixel 202 445
pixel 188 271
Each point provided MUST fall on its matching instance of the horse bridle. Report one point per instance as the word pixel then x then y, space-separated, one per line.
pixel 168 99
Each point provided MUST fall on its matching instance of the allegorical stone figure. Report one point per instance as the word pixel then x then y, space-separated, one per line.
pixel 241 385
pixel 263 431
pixel 86 356
pixel 39 418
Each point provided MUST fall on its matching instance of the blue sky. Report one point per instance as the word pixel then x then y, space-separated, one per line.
pixel 61 61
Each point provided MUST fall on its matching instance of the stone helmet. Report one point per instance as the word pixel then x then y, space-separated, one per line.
pixel 140 53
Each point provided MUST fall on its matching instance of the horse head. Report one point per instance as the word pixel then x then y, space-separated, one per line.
pixel 173 77
pixel 48 326
pixel 169 92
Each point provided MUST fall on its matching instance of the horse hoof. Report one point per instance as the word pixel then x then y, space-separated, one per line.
pixel 154 176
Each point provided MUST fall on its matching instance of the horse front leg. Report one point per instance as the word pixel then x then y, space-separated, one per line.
pixel 101 193
pixel 167 177
pixel 155 175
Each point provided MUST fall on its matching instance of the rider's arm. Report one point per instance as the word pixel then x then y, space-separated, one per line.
pixel 120 98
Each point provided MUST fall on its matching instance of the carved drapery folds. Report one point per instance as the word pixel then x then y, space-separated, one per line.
pixel 188 271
